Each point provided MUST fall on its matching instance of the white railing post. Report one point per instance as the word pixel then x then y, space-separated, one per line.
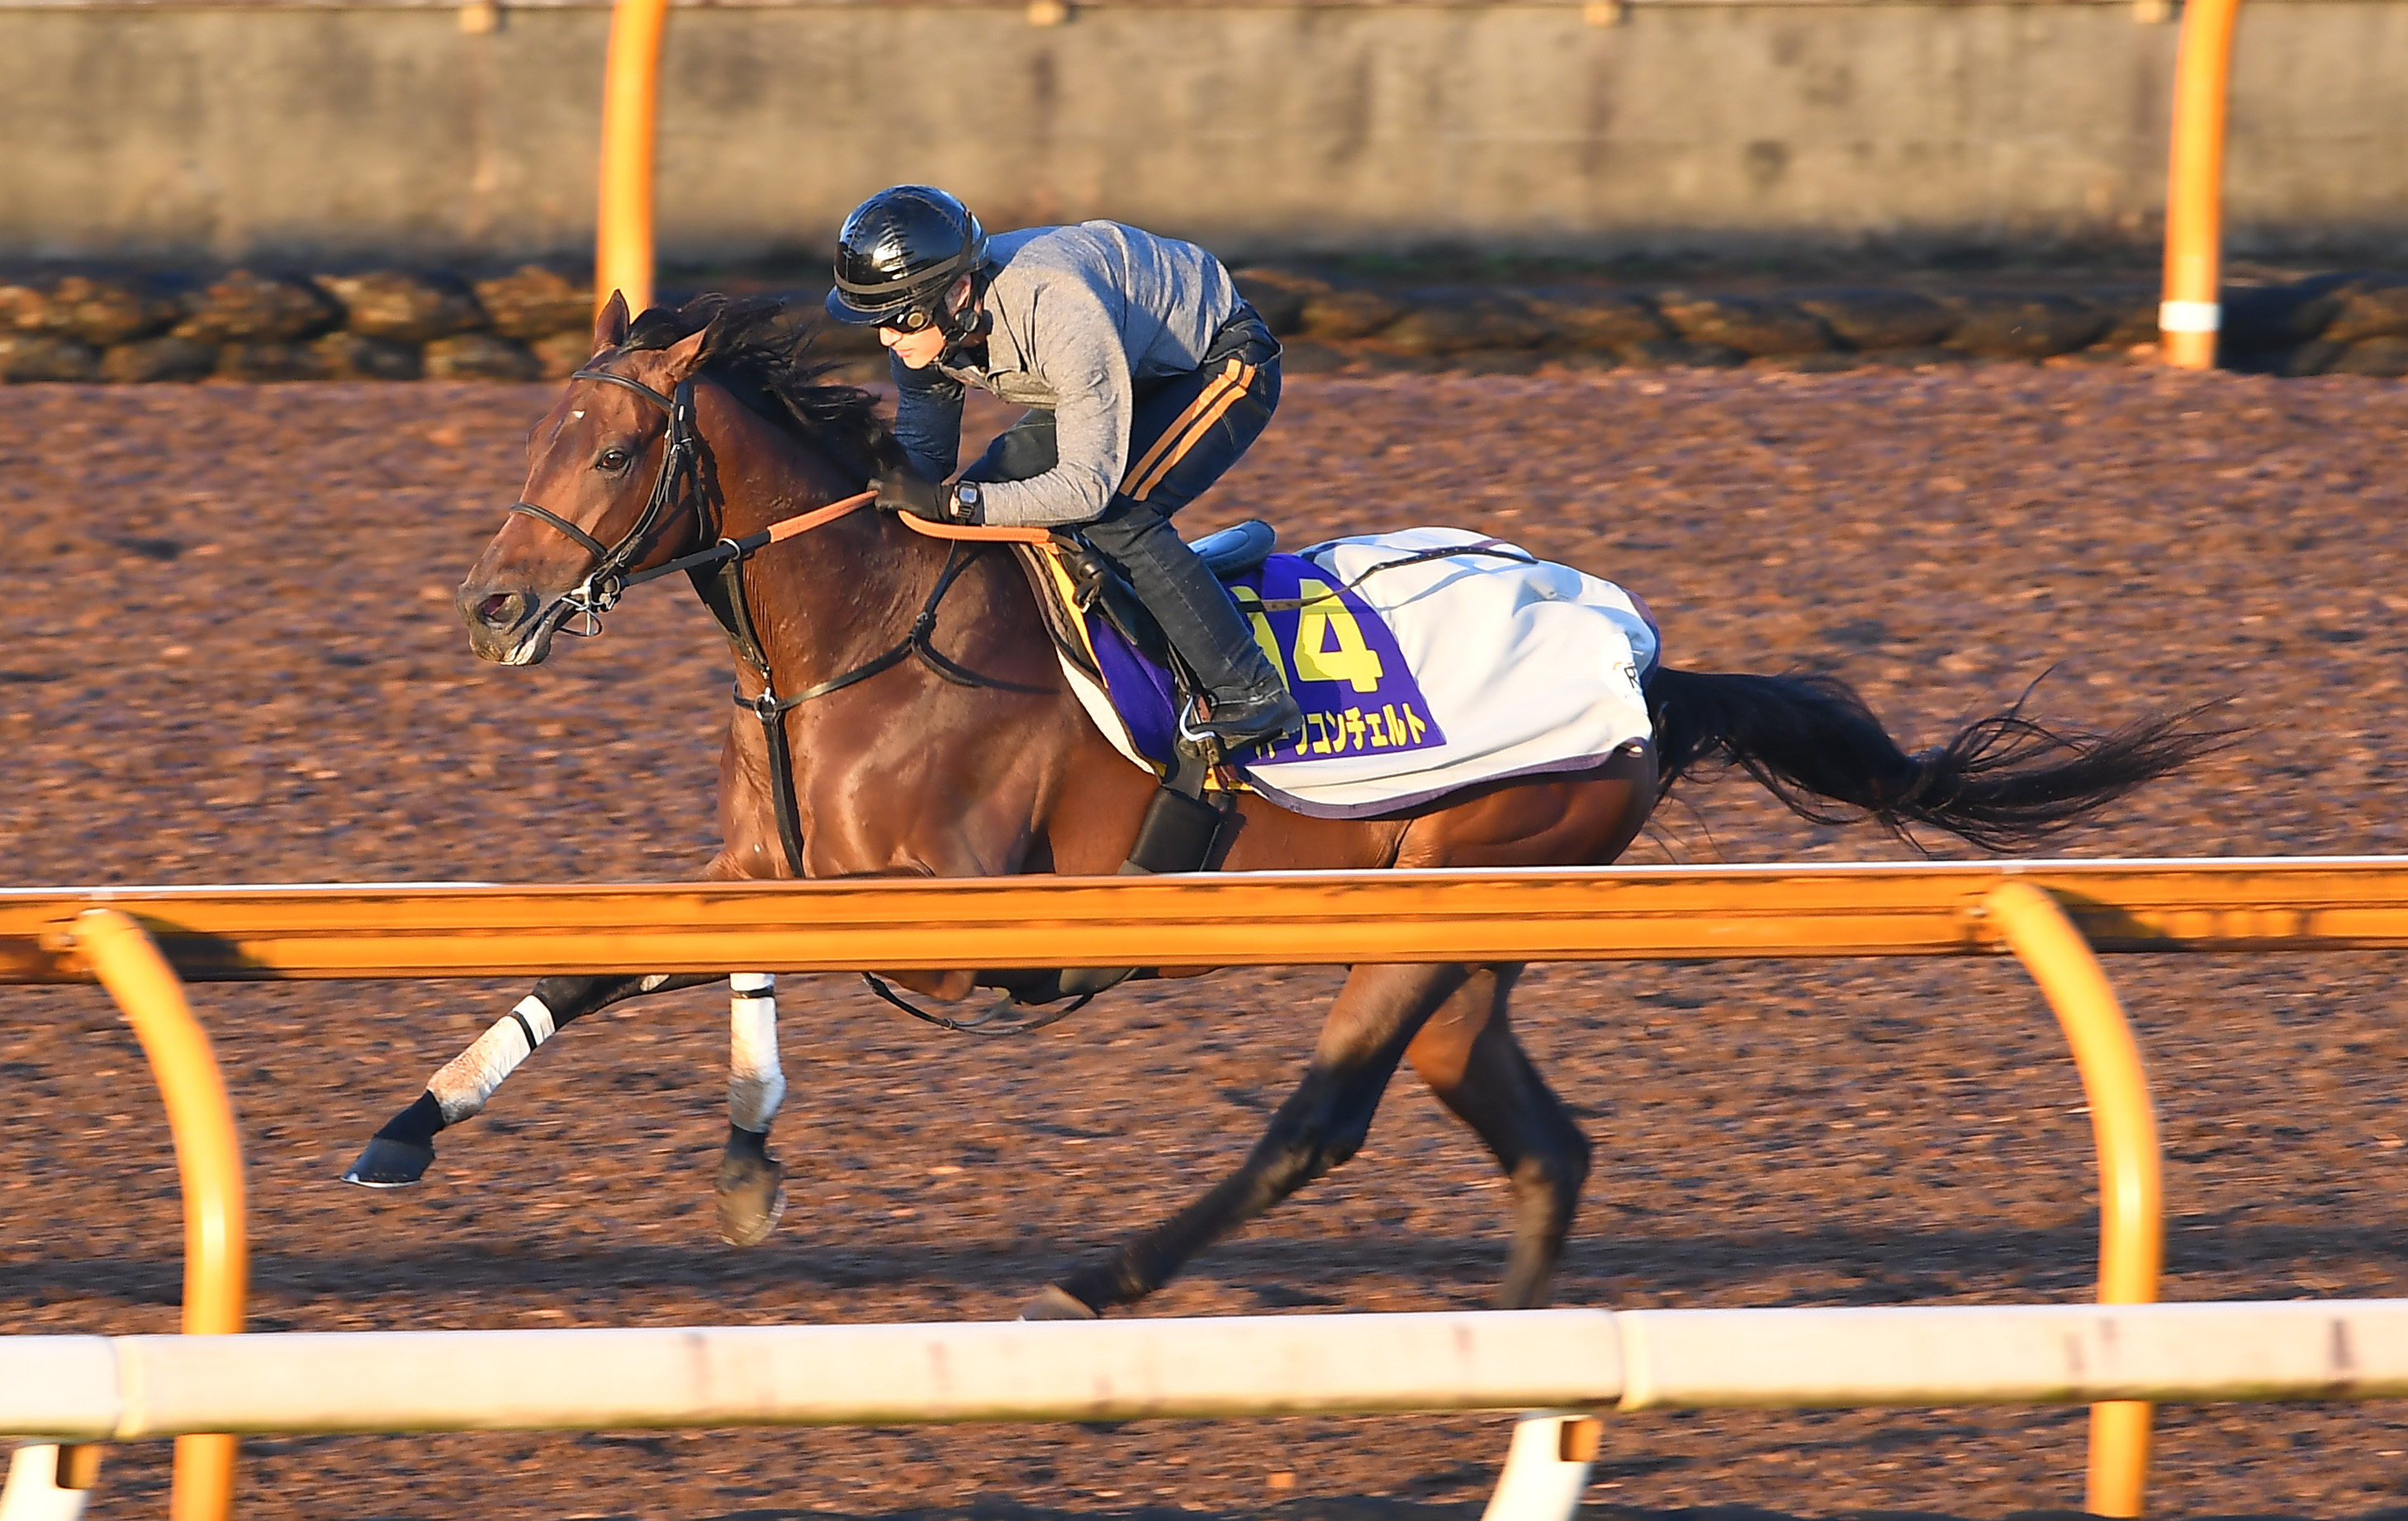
pixel 1547 1470
pixel 32 1492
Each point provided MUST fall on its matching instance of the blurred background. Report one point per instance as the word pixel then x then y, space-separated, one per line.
pixel 1643 137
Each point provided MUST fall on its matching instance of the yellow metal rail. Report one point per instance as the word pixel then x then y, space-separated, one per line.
pixel 2123 1121
pixel 248 934
pixel 2051 913
pixel 2193 311
pixel 622 242
pixel 208 1158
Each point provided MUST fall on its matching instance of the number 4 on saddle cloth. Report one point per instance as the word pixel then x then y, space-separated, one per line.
pixel 1425 662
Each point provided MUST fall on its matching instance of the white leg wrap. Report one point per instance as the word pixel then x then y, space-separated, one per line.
pixel 468 1078
pixel 756 1085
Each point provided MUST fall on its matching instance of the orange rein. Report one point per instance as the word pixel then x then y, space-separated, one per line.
pixel 788 527
pixel 985 536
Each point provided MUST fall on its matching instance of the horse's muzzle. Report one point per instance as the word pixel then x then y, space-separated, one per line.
pixel 508 628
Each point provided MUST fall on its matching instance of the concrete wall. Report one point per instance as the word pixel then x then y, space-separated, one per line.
pixel 334 134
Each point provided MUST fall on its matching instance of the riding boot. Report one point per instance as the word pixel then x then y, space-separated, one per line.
pixel 1246 693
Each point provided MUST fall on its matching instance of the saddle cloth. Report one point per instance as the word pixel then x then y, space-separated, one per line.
pixel 1417 679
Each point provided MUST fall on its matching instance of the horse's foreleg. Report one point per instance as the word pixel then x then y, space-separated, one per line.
pixel 399 1154
pixel 752 1182
pixel 1468 1056
pixel 1321 1125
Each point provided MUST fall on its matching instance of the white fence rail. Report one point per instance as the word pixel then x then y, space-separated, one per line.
pixel 93 1388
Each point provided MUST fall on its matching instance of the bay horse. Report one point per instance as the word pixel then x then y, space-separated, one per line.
pixel 925 728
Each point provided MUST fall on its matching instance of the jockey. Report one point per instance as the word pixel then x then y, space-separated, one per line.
pixel 1146 376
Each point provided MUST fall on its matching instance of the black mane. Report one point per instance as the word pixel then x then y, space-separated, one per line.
pixel 761 350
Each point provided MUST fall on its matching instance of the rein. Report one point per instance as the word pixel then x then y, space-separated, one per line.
pixel 785 528
pixel 610 579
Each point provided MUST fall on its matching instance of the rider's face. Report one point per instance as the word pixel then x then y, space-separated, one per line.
pixel 918 351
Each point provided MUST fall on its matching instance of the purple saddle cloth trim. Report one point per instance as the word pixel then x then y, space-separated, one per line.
pixel 1142 692
pixel 1352 687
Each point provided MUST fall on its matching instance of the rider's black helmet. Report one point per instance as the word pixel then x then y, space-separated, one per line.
pixel 898 253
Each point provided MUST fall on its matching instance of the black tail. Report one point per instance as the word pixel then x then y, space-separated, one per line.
pixel 2004 782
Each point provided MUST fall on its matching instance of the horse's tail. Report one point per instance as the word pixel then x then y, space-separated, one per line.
pixel 2004 782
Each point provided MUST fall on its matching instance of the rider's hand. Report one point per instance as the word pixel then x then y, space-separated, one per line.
pixel 902 489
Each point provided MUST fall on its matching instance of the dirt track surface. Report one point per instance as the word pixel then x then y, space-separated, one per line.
pixel 229 656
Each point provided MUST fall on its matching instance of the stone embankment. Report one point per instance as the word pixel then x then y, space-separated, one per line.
pixel 536 324
pixel 388 325
pixel 2353 323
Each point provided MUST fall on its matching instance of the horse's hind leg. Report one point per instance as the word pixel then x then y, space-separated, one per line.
pixel 399 1154
pixel 1468 1056
pixel 752 1182
pixel 1321 1125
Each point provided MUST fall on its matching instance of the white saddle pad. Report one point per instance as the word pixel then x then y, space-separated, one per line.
pixel 1518 669
pixel 1423 679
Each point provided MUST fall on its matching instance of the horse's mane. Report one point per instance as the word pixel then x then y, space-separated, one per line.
pixel 760 349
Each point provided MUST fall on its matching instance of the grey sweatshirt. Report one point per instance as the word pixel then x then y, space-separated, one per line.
pixel 1080 315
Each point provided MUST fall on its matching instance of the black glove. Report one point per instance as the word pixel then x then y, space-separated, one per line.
pixel 902 489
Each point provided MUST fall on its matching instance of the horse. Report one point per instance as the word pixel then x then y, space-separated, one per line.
pixel 920 725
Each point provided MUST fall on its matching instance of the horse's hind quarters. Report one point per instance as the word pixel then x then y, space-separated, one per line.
pixel 1057 1303
pixel 390 1163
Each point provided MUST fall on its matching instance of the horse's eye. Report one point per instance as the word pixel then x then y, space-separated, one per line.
pixel 613 460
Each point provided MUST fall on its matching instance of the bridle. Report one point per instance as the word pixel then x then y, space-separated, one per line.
pixel 718 576
pixel 607 580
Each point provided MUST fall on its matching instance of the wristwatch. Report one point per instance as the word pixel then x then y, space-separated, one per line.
pixel 965 507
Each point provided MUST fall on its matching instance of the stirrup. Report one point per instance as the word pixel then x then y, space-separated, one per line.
pixel 1189 733
pixel 1203 741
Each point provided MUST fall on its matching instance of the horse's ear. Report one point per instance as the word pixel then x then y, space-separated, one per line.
pixel 610 323
pixel 680 360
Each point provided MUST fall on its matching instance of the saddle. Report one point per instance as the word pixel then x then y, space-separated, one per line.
pixel 1096 583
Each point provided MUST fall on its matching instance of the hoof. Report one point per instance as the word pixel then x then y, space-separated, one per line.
pixel 390 1163
pixel 1056 1304
pixel 751 1197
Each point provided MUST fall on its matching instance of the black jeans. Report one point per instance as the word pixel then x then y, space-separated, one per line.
pixel 1185 432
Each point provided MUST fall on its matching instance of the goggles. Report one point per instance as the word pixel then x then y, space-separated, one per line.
pixel 910 320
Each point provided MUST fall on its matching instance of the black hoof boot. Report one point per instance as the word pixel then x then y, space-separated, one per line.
pixel 751 1189
pixel 390 1163
pixel 401 1151
pixel 1057 1303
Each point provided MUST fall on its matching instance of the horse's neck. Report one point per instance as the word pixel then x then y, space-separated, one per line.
pixel 851 590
